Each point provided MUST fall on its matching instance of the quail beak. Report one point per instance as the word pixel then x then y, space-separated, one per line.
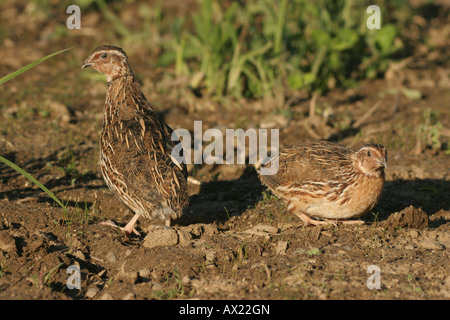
pixel 383 163
pixel 86 64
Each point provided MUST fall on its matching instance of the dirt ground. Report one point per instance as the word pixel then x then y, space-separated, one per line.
pixel 236 240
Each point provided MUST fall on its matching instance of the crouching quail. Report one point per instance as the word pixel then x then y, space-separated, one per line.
pixel 329 181
pixel 135 145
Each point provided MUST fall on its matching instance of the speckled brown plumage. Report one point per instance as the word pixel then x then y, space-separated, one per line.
pixel 136 145
pixel 329 181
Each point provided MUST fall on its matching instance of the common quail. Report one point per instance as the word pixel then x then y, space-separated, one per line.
pixel 329 181
pixel 135 145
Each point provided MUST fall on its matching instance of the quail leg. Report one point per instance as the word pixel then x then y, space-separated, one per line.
pixel 305 218
pixel 130 225
pixel 128 229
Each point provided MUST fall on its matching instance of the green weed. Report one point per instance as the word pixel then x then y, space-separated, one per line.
pixel 27 67
pixel 429 132
pixel 268 196
pixel 32 179
pixel 3 269
pixel 9 163
pixel 48 276
pixel 173 293
pixel 80 216
pixel 250 50
pixel 313 252
pixel 240 255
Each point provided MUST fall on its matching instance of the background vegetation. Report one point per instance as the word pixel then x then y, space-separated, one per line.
pixel 254 47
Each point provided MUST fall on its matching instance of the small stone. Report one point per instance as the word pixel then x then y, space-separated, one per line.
pixel 161 237
pixel 282 247
pixel 7 242
pixel 76 244
pixel 144 273
pixel 91 292
pixel 127 277
pixel 409 247
pixel 414 233
pixel 111 257
pixel 184 237
pixel 129 296
pixel 79 255
pixel 197 283
pixel 186 280
pixel 210 258
pixel 156 286
pixel 106 296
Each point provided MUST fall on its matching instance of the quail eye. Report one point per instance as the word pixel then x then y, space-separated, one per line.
pixel 369 154
pixel 104 55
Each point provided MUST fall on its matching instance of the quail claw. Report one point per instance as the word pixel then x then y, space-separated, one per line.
pixel 127 230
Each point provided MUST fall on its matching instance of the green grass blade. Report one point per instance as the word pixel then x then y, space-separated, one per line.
pixel 31 65
pixel 32 179
pixel 279 27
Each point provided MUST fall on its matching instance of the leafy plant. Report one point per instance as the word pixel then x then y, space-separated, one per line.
pixel 313 252
pixel 429 132
pixel 254 48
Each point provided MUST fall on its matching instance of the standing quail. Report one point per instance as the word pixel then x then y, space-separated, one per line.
pixel 136 145
pixel 329 181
